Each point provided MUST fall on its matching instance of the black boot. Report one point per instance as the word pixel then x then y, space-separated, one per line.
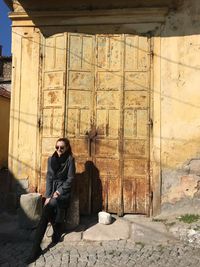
pixel 39 234
pixel 57 233
pixel 35 254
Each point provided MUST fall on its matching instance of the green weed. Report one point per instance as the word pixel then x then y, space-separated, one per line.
pixel 189 218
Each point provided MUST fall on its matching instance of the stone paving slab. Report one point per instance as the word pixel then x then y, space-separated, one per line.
pixel 119 229
pixel 75 235
pixel 147 230
pixel 151 232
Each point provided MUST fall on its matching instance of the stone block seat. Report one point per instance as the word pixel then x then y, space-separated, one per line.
pixel 30 210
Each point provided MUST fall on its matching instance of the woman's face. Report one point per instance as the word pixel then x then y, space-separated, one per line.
pixel 60 148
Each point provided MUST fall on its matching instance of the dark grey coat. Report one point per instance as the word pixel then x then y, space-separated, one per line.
pixel 60 181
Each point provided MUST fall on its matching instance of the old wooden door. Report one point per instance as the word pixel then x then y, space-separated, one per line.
pixel 135 124
pixel 53 90
pixel 96 92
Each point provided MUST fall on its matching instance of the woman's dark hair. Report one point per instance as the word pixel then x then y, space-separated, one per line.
pixel 67 144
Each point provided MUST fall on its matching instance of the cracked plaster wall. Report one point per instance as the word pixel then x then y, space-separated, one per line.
pixel 180 106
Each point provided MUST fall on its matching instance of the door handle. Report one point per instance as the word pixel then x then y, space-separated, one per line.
pixel 91 134
pixel 89 143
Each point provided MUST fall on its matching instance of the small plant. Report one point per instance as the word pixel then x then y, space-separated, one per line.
pixel 189 218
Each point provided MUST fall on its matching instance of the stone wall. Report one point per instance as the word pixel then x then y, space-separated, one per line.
pixel 11 190
pixel 5 68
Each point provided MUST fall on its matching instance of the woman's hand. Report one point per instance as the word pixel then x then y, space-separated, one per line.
pixel 47 201
pixel 56 194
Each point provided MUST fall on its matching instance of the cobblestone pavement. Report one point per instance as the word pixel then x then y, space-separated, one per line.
pixel 101 254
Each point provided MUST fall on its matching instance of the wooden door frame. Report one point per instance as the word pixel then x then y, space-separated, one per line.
pixel 83 21
pixel 154 114
pixel 155 145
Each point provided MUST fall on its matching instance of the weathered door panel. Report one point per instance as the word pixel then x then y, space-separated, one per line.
pixel 136 128
pixel 108 87
pixel 79 112
pixel 52 98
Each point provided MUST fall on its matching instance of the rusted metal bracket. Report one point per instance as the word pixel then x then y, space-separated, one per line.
pixel 150 123
pixel 91 134
pixel 39 123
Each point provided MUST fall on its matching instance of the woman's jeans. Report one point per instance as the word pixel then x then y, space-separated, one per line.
pixel 48 215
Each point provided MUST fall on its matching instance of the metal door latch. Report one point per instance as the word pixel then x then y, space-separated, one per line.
pixel 150 123
pixel 39 123
pixel 91 134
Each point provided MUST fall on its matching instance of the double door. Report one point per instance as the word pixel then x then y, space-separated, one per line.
pixel 96 91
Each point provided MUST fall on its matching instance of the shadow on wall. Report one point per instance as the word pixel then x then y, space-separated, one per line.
pixel 10 191
pixel 90 189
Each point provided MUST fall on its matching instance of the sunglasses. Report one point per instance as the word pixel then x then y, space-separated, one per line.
pixel 61 147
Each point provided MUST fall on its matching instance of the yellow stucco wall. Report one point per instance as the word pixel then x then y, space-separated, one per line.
pixel 24 114
pixel 180 97
pixel 4 130
pixel 180 103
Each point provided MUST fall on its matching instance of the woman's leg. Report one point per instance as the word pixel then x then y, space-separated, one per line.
pixel 62 206
pixel 48 215
pixel 58 223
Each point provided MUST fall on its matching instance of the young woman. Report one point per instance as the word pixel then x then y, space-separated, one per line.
pixel 60 174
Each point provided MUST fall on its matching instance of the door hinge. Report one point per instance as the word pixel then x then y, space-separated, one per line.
pixel 151 196
pixel 150 123
pixel 39 123
pixel 151 53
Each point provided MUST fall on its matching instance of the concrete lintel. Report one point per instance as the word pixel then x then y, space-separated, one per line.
pixel 102 17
